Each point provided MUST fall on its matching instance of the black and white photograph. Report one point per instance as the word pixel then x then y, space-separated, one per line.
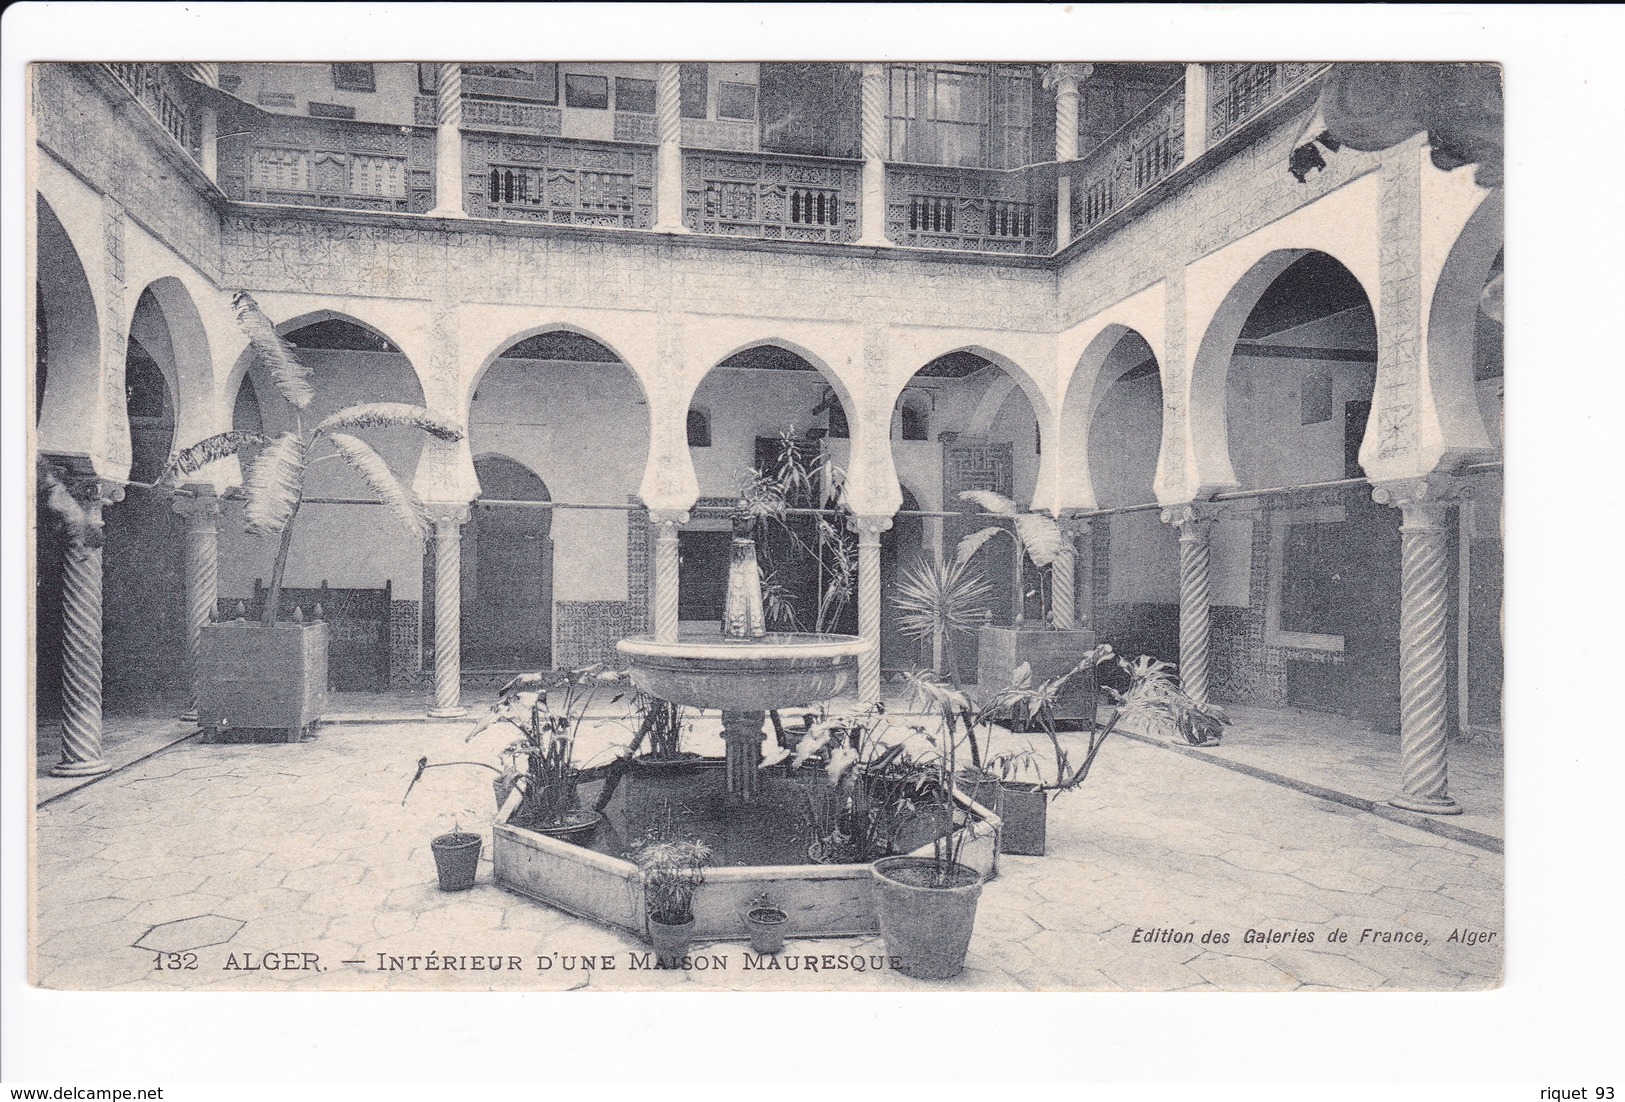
pixel 902 526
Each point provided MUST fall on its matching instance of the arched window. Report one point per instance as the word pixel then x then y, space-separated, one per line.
pixel 915 414
pixel 699 428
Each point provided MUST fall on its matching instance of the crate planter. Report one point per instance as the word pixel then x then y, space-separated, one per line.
pixel 262 676
pixel 1050 652
pixel 1025 814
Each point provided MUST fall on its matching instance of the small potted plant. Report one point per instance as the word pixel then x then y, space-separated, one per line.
pixel 1049 651
pixel 672 869
pixel 941 602
pixel 766 924
pixel 456 858
pixel 274 674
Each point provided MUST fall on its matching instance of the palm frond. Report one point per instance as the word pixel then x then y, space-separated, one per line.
pixel 274 484
pixel 291 376
pixel 974 543
pixel 992 502
pixel 1040 535
pixel 371 466
pixel 392 415
pixel 211 450
pixel 932 596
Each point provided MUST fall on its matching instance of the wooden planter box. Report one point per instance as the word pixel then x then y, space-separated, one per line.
pixel 251 675
pixel 1050 653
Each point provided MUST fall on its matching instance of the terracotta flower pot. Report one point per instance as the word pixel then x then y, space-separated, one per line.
pixel 766 925
pixel 457 860
pixel 928 927
pixel 671 939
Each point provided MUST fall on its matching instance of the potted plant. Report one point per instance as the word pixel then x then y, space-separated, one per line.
pixel 1047 650
pixel 456 858
pixel 672 869
pixel 766 924
pixel 927 905
pixel 274 674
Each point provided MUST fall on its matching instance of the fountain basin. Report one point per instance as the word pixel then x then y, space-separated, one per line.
pixel 779 670
pixel 820 900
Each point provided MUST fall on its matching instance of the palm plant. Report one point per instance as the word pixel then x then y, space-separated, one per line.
pixel 1037 536
pixel 274 489
pixel 940 601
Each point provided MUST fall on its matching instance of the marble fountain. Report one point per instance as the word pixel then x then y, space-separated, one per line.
pixel 744 672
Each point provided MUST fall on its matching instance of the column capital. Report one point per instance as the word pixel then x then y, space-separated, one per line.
pixel 1422 500
pixel 1074 524
pixel 868 526
pixel 446 512
pixel 200 506
pixel 1067 76
pixel 1192 518
pixel 668 517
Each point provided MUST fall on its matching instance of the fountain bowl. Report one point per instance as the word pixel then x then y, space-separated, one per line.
pixel 779 670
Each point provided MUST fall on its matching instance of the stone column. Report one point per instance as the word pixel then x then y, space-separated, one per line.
pixel 1063 583
pixel 1195 523
pixel 1066 79
pixel 869 529
pixel 1423 603
pixel 873 117
pixel 1195 111
pixel 669 154
pixel 1083 572
pixel 202 512
pixel 663 583
pixel 448 145
pixel 82 634
pixel 448 609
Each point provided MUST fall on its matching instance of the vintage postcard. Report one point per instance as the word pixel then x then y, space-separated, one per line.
pixel 761 525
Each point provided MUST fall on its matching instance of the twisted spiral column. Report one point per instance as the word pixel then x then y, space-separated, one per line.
pixel 872 113
pixel 869 529
pixel 666 568
pixel 82 635
pixel 448 610
pixel 448 147
pixel 1066 79
pixel 1063 583
pixel 202 513
pixel 1424 594
pixel 1083 573
pixel 1195 525
pixel 669 154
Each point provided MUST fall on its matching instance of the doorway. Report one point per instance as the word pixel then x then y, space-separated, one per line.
pixel 507 571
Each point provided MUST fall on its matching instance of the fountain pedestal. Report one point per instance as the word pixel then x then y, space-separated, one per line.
pixel 743 735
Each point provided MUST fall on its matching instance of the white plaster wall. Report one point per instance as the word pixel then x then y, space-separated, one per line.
pixel 1145 560
pixel 584 430
pixel 745 404
pixel 1230 561
pixel 1269 446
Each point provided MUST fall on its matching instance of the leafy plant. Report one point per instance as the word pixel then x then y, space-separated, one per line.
pixel 547 709
pixel 274 488
pixel 1037 535
pixel 672 868
pixel 940 601
pixel 765 500
pixel 1155 702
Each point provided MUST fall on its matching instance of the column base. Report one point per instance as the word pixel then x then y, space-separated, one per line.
pixel 81 768
pixel 448 212
pixel 1426 805
pixel 452 712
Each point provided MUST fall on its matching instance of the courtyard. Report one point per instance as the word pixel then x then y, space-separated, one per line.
pixel 267 867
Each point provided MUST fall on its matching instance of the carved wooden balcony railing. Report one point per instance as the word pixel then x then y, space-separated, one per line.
pixel 157 89
pixel 772 196
pixel 984 210
pixel 1145 150
pixel 330 163
pixel 559 181
pixel 1238 91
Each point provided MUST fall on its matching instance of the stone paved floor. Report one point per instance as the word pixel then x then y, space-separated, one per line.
pixel 227 850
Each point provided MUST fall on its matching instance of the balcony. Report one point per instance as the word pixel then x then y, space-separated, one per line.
pixel 559 181
pixel 1144 151
pixel 164 95
pixel 330 163
pixel 1239 91
pixel 982 210
pixel 772 197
